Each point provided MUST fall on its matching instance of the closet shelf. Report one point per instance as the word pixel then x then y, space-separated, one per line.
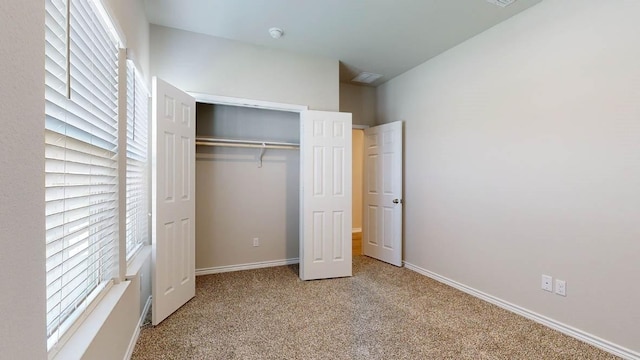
pixel 209 141
pixel 262 145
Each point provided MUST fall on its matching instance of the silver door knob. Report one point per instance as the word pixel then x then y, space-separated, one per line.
pixel 397 201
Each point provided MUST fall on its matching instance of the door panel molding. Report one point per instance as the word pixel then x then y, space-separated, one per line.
pixel 382 223
pixel 173 199
pixel 325 195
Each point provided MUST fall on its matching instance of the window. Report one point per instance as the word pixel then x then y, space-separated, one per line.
pixel 137 170
pixel 81 146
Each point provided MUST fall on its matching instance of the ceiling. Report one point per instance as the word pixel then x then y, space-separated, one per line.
pixel 386 37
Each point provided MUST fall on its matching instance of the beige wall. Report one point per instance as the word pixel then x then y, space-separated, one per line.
pixel 132 19
pixel 22 259
pixel 229 185
pixel 216 66
pixel 359 101
pixel 357 137
pixel 236 200
pixel 522 159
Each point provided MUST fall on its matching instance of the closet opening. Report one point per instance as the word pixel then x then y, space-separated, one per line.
pixel 247 187
pixel 357 140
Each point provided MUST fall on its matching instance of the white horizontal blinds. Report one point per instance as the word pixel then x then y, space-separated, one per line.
pixel 137 179
pixel 80 160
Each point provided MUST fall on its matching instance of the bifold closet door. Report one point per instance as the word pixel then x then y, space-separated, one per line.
pixel 173 204
pixel 325 224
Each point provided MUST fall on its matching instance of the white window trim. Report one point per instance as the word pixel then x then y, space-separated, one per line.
pixel 86 324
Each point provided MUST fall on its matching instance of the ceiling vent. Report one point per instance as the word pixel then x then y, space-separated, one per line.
pixel 501 3
pixel 366 77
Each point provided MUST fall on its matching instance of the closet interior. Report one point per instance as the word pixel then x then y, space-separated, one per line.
pixel 247 186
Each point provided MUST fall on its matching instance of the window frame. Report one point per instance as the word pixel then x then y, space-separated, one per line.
pixel 117 269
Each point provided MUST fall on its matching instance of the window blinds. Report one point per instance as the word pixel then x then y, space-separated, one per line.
pixel 137 135
pixel 81 70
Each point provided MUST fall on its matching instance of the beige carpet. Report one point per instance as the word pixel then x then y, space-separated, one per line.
pixel 382 312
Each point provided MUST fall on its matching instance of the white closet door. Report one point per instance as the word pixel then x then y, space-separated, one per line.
pixel 325 224
pixel 173 184
pixel 382 213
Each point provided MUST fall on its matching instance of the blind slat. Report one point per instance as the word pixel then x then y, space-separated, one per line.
pixel 136 174
pixel 81 145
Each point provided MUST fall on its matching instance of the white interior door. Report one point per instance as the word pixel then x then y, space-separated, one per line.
pixel 382 213
pixel 173 184
pixel 325 173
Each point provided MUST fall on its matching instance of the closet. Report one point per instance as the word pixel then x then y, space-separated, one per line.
pixel 247 187
pixel 255 177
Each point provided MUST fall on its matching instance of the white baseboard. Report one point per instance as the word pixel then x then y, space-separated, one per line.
pixel 136 334
pixel 249 266
pixel 553 324
pixel 356 230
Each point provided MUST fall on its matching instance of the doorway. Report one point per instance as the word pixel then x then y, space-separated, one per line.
pixel 357 138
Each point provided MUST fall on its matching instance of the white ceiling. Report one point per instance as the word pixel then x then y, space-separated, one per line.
pixel 387 37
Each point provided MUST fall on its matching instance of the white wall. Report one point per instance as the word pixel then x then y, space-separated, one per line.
pixel 360 101
pixel 216 66
pixel 22 259
pixel 523 158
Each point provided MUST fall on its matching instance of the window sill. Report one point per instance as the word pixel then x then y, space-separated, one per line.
pixel 81 339
pixel 137 261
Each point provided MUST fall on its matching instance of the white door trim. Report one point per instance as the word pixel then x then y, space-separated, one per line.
pixel 258 104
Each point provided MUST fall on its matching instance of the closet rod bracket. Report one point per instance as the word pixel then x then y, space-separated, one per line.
pixel 262 150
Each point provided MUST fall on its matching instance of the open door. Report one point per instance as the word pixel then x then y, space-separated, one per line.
pixel 325 198
pixel 382 213
pixel 173 204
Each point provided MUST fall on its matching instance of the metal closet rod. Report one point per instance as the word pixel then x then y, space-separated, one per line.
pixel 208 141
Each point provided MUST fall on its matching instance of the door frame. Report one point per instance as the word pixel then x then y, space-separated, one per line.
pixel 256 104
pixel 361 204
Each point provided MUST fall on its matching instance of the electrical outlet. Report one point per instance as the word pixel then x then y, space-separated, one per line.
pixel 256 242
pixel 561 287
pixel 547 283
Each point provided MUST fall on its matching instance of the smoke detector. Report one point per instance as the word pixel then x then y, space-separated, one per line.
pixel 501 3
pixel 366 77
pixel 276 33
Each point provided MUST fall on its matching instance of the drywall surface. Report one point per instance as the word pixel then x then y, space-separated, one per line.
pixel 523 159
pixel 22 224
pixel 114 336
pixel 216 66
pixel 357 141
pixel 132 19
pixel 236 200
pixel 360 101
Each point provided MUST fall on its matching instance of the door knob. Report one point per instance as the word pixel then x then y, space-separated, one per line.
pixel 397 201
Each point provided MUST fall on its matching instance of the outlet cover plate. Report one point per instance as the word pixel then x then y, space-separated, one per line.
pixel 561 287
pixel 547 283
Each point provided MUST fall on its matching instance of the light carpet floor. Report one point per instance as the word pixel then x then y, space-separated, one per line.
pixel 382 312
